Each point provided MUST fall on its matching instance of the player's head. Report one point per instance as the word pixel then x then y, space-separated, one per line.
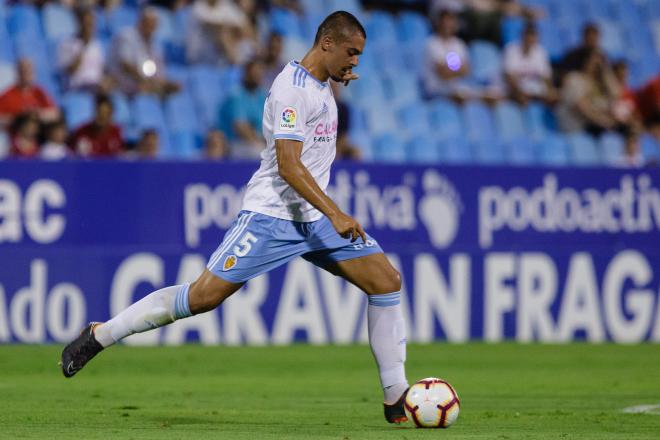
pixel 341 39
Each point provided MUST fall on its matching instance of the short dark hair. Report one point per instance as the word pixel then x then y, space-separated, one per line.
pixel 337 24
pixel 102 99
pixel 530 28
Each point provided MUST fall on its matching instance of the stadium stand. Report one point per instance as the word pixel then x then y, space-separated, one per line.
pixel 389 116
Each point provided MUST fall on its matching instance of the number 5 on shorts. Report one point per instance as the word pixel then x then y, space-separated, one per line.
pixel 244 244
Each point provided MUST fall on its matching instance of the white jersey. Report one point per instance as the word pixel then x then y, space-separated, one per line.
pixel 301 108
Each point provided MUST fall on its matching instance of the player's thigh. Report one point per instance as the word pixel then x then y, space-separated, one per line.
pixel 209 291
pixel 374 273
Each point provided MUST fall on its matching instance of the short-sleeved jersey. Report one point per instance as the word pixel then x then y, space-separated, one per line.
pixel 301 108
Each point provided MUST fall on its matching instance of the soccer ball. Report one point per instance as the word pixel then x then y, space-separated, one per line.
pixel 432 403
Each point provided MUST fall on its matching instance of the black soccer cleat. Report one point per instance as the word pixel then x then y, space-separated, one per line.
pixel 80 351
pixel 396 413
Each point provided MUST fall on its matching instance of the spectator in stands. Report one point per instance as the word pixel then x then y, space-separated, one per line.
pixel 573 60
pixel 648 100
pixel 481 19
pixel 447 63
pixel 81 58
pixel 148 145
pixel 24 132
pixel 624 105
pixel 26 96
pixel 55 147
pixel 632 153
pixel 272 59
pixel 221 34
pixel 240 115
pixel 586 98
pixel 136 58
pixel 101 137
pixel 527 69
pixel 216 146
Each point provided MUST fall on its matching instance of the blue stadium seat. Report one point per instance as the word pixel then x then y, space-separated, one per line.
pixel 550 38
pixel 309 25
pixel 316 7
pixel 583 150
pixel 78 108
pixel 401 88
pixel 446 121
pixel 178 73
pixel 362 140
pixel 569 13
pixel 208 91
pixel 122 111
pixel 554 151
pixel 59 21
pixel 650 148
pixel 380 120
pixel 120 17
pixel 180 114
pixel 413 27
pixel 368 91
pixel 7 75
pixel 509 121
pixel 611 38
pixel 414 118
pixel 285 22
pixel 611 145
pixel 521 151
pixel 183 145
pixel 381 28
pixel 479 122
pixel 148 113
pixel 597 10
pixel 4 144
pixel 628 13
pixel 166 32
pixel 486 62
pixel 512 28
pixel 655 29
pixel 535 116
pixel 23 19
pixel 6 50
pixel 388 147
pixel 489 152
pixel 455 151
pixel 352 6
pixel 423 148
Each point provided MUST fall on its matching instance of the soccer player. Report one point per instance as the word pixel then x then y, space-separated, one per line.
pixel 286 213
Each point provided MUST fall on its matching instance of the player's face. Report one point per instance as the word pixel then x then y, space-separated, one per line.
pixel 344 55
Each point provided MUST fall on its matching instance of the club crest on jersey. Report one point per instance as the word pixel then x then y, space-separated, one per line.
pixel 230 262
pixel 288 120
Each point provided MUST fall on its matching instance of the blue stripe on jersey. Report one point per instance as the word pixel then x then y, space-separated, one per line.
pixel 304 75
pixel 294 137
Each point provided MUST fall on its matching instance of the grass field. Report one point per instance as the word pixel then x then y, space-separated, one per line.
pixel 508 391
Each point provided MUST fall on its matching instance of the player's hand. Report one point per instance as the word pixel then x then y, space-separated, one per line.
pixel 349 76
pixel 348 227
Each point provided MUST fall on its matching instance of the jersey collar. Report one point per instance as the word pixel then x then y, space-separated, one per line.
pixel 296 63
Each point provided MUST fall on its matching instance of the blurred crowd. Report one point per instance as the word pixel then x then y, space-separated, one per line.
pixel 587 91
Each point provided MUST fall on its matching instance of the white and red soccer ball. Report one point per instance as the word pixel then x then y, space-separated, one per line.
pixel 432 403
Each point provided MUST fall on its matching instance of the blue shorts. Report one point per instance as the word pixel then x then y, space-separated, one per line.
pixel 257 243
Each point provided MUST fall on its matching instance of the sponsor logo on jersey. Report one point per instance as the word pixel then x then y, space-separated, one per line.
pixel 230 262
pixel 288 120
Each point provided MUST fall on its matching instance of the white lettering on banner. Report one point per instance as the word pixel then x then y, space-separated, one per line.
pixel 580 309
pixel 633 207
pixel 41 228
pixel 499 268
pixel 242 321
pixel 449 302
pixel 34 309
pixel 206 325
pixel 537 290
pixel 638 302
pixel 134 270
pixel 300 306
pixel 204 207
pixel 345 307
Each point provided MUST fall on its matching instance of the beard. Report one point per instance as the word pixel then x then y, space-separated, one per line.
pixel 336 78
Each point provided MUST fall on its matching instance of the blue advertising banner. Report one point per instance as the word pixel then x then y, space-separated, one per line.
pixel 485 252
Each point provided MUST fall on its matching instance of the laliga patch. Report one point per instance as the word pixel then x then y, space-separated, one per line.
pixel 288 118
pixel 230 262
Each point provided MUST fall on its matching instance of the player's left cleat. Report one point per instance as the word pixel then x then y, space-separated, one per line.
pixel 80 351
pixel 396 413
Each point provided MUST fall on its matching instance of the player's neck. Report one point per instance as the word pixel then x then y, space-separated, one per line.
pixel 312 62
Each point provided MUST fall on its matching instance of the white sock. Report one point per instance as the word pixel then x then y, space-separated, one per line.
pixel 157 309
pixel 387 337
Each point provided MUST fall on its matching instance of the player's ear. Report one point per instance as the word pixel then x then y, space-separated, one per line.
pixel 326 43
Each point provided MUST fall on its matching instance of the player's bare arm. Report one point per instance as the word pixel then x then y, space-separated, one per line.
pixel 294 172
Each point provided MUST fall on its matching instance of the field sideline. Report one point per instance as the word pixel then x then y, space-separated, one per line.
pixel 508 391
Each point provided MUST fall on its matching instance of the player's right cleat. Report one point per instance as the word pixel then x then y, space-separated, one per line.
pixel 396 413
pixel 80 351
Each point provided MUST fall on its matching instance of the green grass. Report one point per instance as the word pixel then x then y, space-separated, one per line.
pixel 508 391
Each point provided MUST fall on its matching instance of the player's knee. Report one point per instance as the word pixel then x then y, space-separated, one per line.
pixel 388 282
